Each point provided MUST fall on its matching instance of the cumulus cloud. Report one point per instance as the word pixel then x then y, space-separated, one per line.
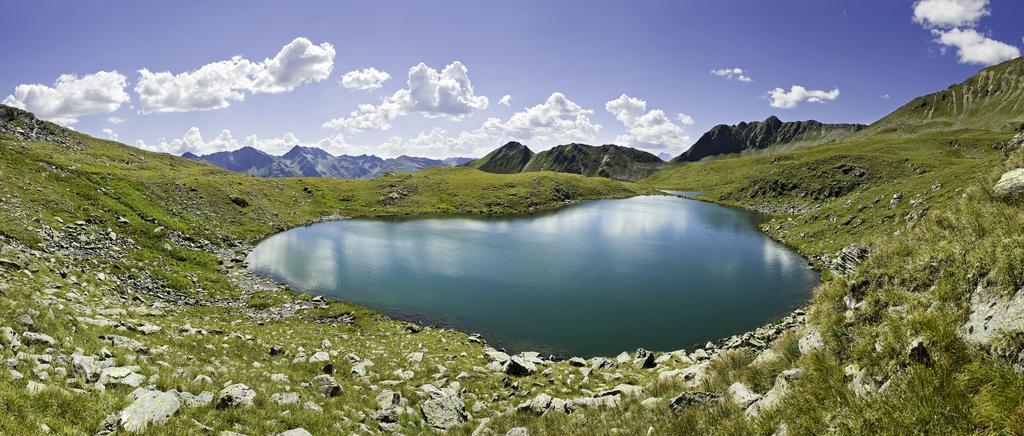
pixel 684 119
pixel 949 13
pixel 732 73
pixel 194 141
pixel 953 24
pixel 115 120
pixel 557 120
pixel 783 99
pixel 448 93
pixel 506 100
pixel 974 48
pixel 71 97
pixel 110 134
pixel 366 79
pixel 646 129
pixel 216 85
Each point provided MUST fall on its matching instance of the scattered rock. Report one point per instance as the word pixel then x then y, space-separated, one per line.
pixel 236 395
pixel 444 408
pixel 327 385
pixel 295 432
pixel 519 366
pixel 285 398
pixel 149 407
pixel 776 393
pixel 742 395
pixel 32 338
pixel 1012 182
pixel 644 359
pixel 847 260
pixel 811 340
pixel 689 399
pixel 992 314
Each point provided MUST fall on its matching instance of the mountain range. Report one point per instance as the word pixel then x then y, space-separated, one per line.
pixel 315 162
pixel 609 160
pixel 759 135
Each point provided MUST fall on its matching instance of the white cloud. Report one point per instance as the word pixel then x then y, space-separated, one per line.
pixel 115 120
pixel 949 13
pixel 216 85
pixel 974 48
pixel 732 73
pixel 366 79
pixel 953 23
pixel 447 93
pixel 646 129
pixel 781 98
pixel 557 120
pixel 684 119
pixel 885 96
pixel 505 100
pixel 71 97
pixel 110 134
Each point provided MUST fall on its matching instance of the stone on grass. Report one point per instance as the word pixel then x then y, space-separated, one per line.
pixel 327 385
pixel 444 408
pixel 236 395
pixel 742 395
pixel 149 408
pixel 285 398
pixel 1012 182
pixel 519 366
pixel 690 399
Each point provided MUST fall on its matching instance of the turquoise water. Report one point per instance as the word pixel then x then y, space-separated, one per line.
pixel 596 278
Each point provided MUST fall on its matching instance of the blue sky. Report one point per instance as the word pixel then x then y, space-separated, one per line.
pixel 564 65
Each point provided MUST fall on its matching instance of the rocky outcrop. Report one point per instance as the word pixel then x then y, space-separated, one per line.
pixel 991 314
pixel 847 260
pixel 756 135
pixel 1011 183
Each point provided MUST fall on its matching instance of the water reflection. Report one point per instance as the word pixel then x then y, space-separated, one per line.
pixel 595 278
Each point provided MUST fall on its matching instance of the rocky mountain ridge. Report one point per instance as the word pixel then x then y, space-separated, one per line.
pixel 758 135
pixel 609 161
pixel 303 161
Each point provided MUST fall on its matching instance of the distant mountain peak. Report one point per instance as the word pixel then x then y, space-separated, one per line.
pixel 302 161
pixel 608 160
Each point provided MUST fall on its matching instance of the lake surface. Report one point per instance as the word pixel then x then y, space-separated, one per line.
pixel 596 278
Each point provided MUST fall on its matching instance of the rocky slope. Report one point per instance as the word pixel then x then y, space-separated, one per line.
pixel 993 99
pixel 314 162
pixel 758 135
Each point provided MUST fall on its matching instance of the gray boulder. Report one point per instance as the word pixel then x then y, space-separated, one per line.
pixel 236 395
pixel 444 408
pixel 644 359
pixel 740 394
pixel 1012 182
pixel 327 385
pixel 774 395
pixel 149 408
pixel 992 314
pixel 519 366
pixel 690 399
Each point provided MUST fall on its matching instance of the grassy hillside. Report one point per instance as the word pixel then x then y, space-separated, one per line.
pixel 507 159
pixel 99 240
pixel 611 161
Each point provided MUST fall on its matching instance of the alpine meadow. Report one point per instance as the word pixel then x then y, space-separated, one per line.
pixel 538 251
